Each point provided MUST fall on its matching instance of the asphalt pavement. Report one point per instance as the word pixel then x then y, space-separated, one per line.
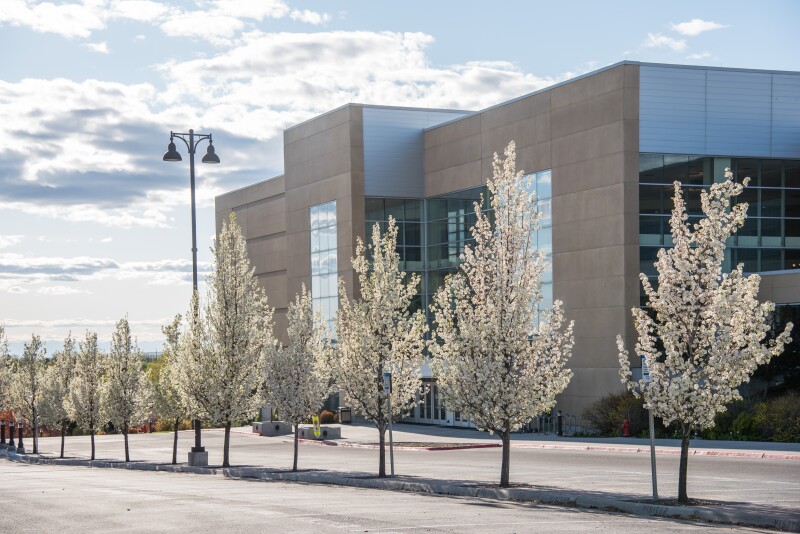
pixel 742 482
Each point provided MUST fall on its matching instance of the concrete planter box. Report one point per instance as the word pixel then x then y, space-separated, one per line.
pixel 272 428
pixel 326 432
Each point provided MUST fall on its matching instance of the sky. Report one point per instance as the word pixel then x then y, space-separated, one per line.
pixel 94 226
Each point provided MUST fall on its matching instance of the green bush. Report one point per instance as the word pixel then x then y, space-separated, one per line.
pixel 327 417
pixel 779 419
pixel 607 414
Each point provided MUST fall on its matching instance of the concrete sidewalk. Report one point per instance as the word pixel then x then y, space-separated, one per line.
pixel 363 434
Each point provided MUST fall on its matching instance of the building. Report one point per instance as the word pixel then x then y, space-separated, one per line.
pixel 605 148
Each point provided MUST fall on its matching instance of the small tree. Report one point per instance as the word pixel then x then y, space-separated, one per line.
pixel 378 333
pixel 124 392
pixel 296 376
pixel 493 364
pixel 703 334
pixel 166 395
pixel 84 396
pixel 26 388
pixel 58 378
pixel 221 363
pixel 5 369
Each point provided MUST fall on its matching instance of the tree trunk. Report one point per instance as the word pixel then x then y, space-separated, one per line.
pixel 226 447
pixel 296 443
pixel 35 432
pixel 125 433
pixel 382 455
pixel 505 467
pixel 682 495
pixel 175 442
pixel 63 434
pixel 92 433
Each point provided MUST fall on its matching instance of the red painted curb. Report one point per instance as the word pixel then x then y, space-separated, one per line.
pixel 667 452
pixel 369 446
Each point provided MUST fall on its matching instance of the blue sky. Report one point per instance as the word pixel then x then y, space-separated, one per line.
pixel 94 226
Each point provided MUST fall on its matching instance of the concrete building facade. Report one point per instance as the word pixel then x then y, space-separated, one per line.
pixel 604 148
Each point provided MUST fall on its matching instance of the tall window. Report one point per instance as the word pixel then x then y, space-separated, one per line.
pixel 543 237
pixel 324 274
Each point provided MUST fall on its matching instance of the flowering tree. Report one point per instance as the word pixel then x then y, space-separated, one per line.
pixel 492 362
pixel 83 404
pixel 704 335
pixel 58 377
pixel 125 396
pixel 5 369
pixel 26 388
pixel 166 395
pixel 221 358
pixel 296 375
pixel 378 333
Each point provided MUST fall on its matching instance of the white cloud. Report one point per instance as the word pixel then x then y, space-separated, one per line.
pixel 696 27
pixel 59 290
pixel 54 331
pixel 140 10
pixel 310 17
pixel 100 48
pixel 217 29
pixel 252 9
pixel 16 290
pixel 140 37
pixel 700 55
pixel 658 40
pixel 7 241
pixel 107 240
pixel 69 20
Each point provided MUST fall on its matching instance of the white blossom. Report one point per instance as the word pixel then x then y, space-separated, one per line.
pixel 124 394
pixel 704 333
pixel 83 404
pixel 221 357
pixel 58 377
pixel 297 378
pixel 491 361
pixel 5 369
pixel 27 385
pixel 167 401
pixel 377 333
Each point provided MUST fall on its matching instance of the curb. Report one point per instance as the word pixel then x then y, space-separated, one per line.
pixel 659 451
pixel 357 445
pixel 711 515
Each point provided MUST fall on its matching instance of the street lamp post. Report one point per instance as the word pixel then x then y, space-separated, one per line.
pixel 2 433
pixel 11 445
pixel 198 454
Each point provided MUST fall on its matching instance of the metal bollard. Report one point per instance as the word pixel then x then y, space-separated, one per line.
pixel 11 445
pixel 560 422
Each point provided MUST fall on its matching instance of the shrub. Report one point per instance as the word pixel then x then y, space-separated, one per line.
pixel 779 419
pixel 607 414
pixel 327 417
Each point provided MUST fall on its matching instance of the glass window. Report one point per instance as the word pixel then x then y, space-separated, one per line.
pixel 650 199
pixel 651 168
pixel 748 257
pixel 792 229
pixel 650 230
pixel 792 259
pixel 374 209
pixel 770 202
pixel 749 195
pixel 791 203
pixel 771 173
pixel 543 184
pixel 793 173
pixel 394 208
pixel 699 171
pixel 324 291
pixel 771 259
pixel 437 209
pixel 413 210
pixel 747 168
pixel 748 234
pixel 676 168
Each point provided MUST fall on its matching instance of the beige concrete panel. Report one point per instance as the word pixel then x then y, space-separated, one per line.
pixel 589 174
pixel 317 145
pixel 265 218
pixel 266 189
pixel 588 263
pixel 298 243
pixel 274 285
pixel 297 220
pixel 588 204
pixel 588 144
pixel 586 386
pixel 587 114
pixel 298 198
pixel 280 325
pixel 268 255
pixel 453 132
pixel 630 137
pixel 530 131
pixel 453 179
pixel 780 288
pixel 317 124
pixel 589 233
pixel 508 113
pixel 530 158
pixel 230 200
pixel 598 351
pixel 600 292
pixel 599 322
pixel 631 92
pixel 452 154
pixel 314 169
pixel 587 87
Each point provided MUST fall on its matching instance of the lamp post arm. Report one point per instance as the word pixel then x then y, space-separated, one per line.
pixel 194 139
